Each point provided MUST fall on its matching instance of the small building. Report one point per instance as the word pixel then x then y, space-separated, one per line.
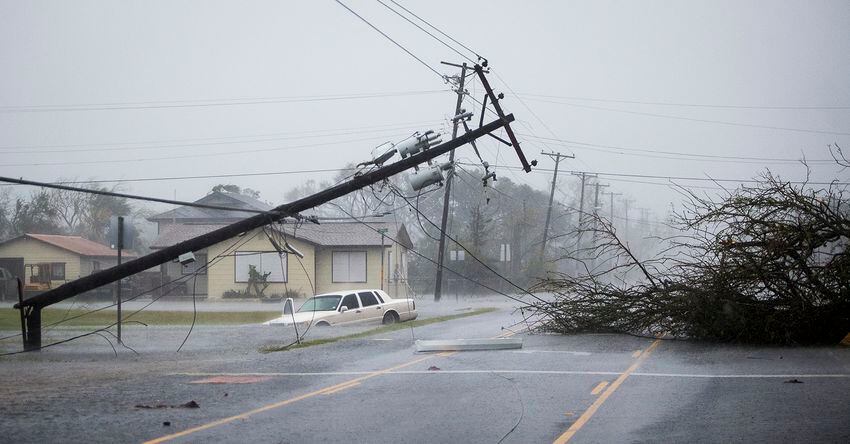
pixel 336 255
pixel 45 261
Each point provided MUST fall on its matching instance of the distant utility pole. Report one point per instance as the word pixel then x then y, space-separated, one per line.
pixel 557 158
pixel 612 194
pixel 596 198
pixel 626 204
pixel 438 285
pixel 595 219
pixel 584 176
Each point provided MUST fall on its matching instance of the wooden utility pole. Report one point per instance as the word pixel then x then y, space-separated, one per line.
pixel 557 158
pixel 447 196
pixel 612 194
pixel 584 176
pixel 33 306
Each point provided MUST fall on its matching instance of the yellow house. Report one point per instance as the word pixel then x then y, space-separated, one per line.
pixel 336 255
pixel 45 261
pixel 330 256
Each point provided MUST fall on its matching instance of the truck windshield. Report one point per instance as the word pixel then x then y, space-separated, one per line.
pixel 321 303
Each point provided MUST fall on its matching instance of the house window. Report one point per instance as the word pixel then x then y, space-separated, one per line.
pixel 348 266
pixel 57 271
pixel 457 255
pixel 264 261
pixel 198 266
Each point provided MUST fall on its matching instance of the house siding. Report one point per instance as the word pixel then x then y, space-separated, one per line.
pixel 324 268
pixel 221 276
pixel 35 252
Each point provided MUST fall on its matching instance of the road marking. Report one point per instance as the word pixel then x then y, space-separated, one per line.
pixel 636 354
pixel 232 379
pixel 599 387
pixel 582 420
pixel 339 389
pixel 528 372
pixel 279 404
pixel 566 352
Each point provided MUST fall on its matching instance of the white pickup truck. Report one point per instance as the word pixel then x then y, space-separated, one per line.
pixel 349 307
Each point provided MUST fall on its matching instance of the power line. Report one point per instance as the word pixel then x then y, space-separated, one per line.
pixel 438 30
pixel 650 176
pixel 471 254
pixel 391 39
pixel 692 105
pixel 211 176
pixel 691 119
pixel 206 142
pixel 675 153
pixel 346 131
pixel 58 186
pixel 190 156
pixel 462 276
pixel 204 103
pixel 425 31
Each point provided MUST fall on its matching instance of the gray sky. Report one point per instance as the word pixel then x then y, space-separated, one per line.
pixel 159 54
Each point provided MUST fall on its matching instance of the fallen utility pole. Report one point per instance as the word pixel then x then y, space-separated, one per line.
pixel 438 285
pixel 32 307
pixel 557 157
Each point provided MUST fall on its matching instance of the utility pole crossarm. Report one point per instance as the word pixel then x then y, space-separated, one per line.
pixel 132 267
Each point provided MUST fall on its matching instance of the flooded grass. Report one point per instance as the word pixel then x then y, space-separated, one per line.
pixel 375 331
pixel 10 318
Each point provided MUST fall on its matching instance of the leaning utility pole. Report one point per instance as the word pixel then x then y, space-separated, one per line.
pixel 557 158
pixel 412 156
pixel 31 308
pixel 438 285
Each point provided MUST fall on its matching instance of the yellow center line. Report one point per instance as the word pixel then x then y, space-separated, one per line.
pixel 636 354
pixel 599 388
pixel 582 420
pixel 326 391
pixel 347 386
pixel 279 404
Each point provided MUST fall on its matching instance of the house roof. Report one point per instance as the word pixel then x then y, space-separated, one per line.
pixel 75 244
pixel 224 199
pixel 328 234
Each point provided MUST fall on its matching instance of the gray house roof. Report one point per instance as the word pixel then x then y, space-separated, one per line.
pixel 210 216
pixel 327 234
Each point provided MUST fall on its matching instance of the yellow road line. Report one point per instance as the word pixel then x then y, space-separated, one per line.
pixel 599 387
pixel 339 389
pixel 279 404
pixel 636 354
pixel 582 420
pixel 326 391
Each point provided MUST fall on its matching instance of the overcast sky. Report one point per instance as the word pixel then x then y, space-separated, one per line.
pixel 156 61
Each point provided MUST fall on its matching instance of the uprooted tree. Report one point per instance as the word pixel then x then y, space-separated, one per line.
pixel 764 263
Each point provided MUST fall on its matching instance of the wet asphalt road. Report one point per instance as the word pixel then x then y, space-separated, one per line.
pixel 608 388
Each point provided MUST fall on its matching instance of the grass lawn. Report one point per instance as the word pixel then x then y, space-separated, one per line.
pixel 10 319
pixel 375 331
